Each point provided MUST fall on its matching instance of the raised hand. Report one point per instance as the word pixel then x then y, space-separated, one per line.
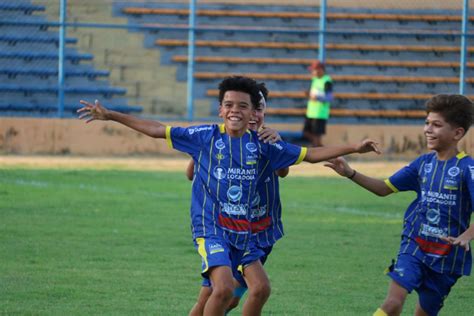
pixel 339 165
pixel 368 145
pixel 91 112
pixel 268 135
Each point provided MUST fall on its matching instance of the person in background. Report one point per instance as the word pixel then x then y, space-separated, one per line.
pixel 434 249
pixel 319 102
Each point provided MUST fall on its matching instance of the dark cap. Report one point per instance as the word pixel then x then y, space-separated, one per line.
pixel 315 65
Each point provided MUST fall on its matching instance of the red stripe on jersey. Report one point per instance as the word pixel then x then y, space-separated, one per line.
pixel 261 224
pixel 433 247
pixel 238 225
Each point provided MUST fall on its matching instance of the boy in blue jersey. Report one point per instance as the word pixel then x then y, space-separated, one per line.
pixel 227 159
pixel 265 219
pixel 434 250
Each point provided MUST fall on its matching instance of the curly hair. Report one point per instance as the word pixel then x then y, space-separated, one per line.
pixel 240 84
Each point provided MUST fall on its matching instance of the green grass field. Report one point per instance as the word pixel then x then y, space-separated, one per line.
pixel 119 243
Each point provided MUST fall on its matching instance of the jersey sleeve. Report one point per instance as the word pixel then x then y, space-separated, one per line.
pixel 282 154
pixel 188 139
pixel 406 179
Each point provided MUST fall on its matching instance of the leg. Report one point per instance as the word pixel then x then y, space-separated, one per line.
pixel 395 299
pixel 259 289
pixel 419 310
pixel 222 289
pixel 239 290
pixel 198 308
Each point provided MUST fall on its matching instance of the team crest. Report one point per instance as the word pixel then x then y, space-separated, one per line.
pixel 220 144
pixel 433 216
pixel 428 167
pixel 453 171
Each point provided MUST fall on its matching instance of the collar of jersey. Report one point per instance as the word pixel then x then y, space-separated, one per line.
pixel 222 129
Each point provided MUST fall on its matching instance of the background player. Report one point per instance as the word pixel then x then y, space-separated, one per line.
pixel 434 251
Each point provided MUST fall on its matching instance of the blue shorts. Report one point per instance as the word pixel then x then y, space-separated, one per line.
pixel 215 251
pixel 253 254
pixel 432 287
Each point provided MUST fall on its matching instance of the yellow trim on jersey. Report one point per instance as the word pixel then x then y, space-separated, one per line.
pixel 461 155
pixel 390 185
pixel 202 252
pixel 302 155
pixel 222 128
pixel 168 137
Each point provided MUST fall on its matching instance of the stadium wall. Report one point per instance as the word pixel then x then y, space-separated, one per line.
pixel 36 136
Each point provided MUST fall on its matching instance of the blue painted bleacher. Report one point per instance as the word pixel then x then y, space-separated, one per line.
pixel 29 67
pixel 383 38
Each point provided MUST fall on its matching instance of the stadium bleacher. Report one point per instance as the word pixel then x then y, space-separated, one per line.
pixel 29 67
pixel 382 61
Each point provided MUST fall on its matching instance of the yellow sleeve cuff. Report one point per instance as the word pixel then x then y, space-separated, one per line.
pixel 168 137
pixel 390 185
pixel 302 155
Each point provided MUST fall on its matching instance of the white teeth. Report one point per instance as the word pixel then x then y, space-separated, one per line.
pixel 232 118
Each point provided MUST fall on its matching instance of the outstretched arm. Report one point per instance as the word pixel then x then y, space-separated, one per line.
pixel 91 112
pixel 376 186
pixel 190 170
pixel 463 239
pixel 318 154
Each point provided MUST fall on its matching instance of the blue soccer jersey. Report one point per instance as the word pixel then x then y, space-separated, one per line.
pixel 443 207
pixel 226 173
pixel 265 212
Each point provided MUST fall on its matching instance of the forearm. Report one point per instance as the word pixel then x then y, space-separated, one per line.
pixel 148 127
pixel 318 154
pixel 376 186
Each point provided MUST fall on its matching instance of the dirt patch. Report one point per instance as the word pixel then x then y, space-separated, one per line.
pixel 376 169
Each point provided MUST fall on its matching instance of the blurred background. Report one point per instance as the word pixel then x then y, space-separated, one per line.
pixel 164 59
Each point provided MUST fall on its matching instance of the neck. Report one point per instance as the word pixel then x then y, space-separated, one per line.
pixel 447 154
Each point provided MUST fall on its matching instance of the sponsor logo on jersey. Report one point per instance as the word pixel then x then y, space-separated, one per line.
pixel 219 172
pixel 234 209
pixel 251 147
pixel 433 216
pixel 431 231
pixel 471 170
pixel 215 248
pixel 438 197
pixel 241 174
pixel 278 146
pixel 193 130
pixel 234 193
pixel 453 171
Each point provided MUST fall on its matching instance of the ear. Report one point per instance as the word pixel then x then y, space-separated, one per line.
pixel 220 110
pixel 459 132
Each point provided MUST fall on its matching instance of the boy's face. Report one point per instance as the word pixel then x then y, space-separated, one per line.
pixel 258 118
pixel 236 110
pixel 440 135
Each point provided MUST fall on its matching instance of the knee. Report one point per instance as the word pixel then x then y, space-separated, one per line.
pixel 223 293
pixel 393 305
pixel 261 291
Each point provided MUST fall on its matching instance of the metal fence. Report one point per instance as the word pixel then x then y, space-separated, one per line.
pixel 55 52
